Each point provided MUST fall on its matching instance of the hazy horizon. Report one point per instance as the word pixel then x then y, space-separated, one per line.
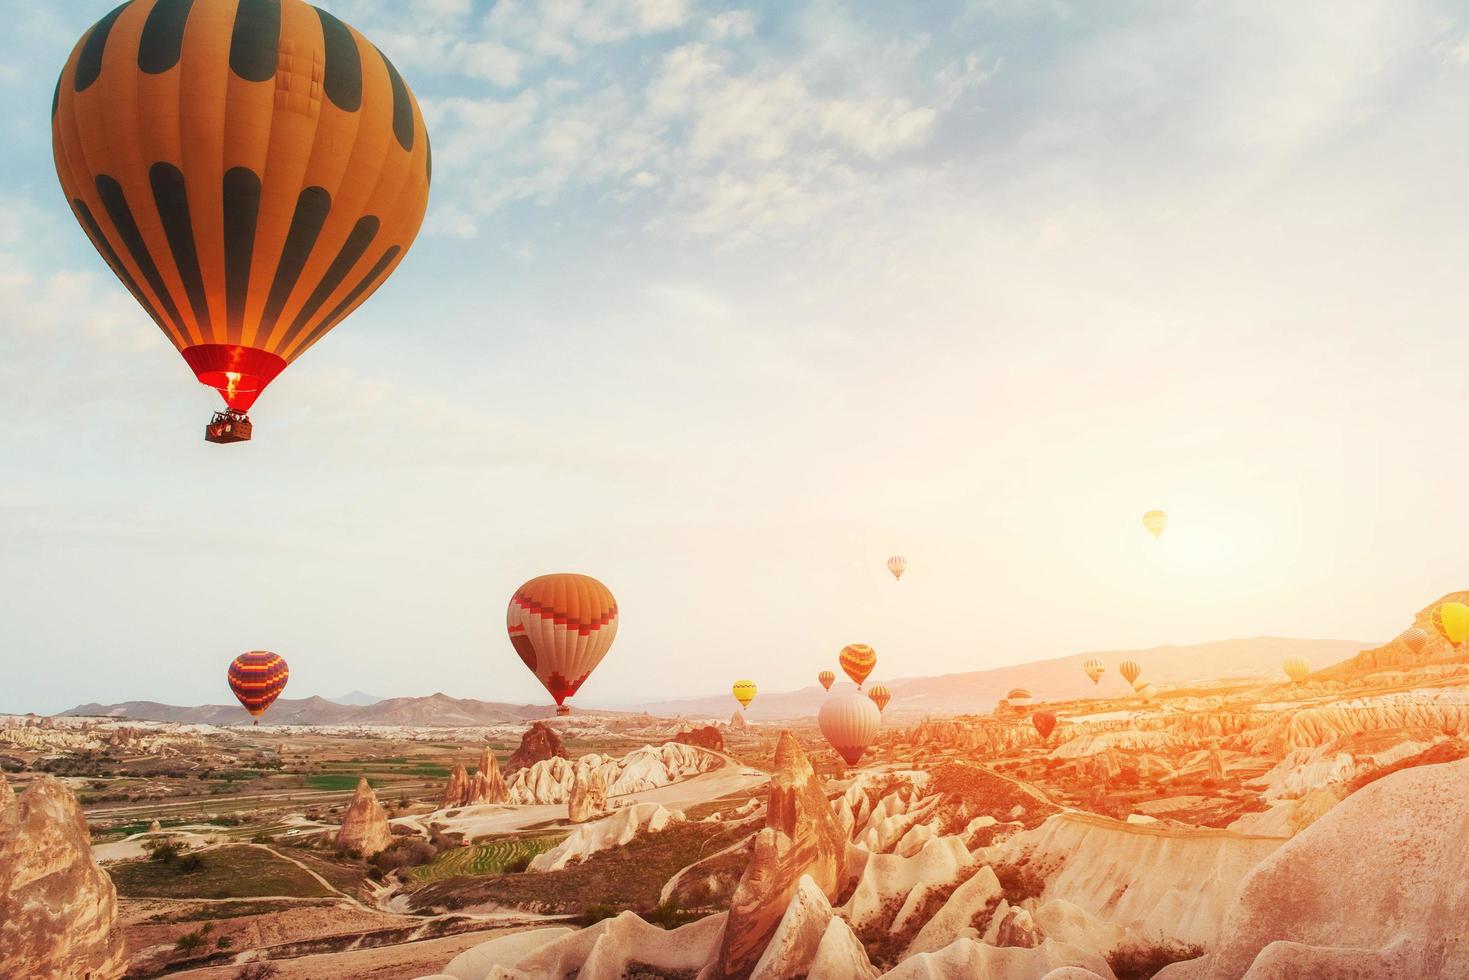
pixel 725 306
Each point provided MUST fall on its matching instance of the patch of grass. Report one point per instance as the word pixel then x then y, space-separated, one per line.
pixel 224 872
pixel 342 781
pixel 231 910
pixel 497 857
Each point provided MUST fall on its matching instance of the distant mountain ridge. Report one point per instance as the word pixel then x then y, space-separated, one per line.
pixel 357 697
pixel 1048 680
pixel 434 710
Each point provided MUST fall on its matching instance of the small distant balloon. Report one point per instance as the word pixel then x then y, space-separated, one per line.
pixel 880 696
pixel 1018 694
pixel 857 660
pixel 1296 668
pixel 1452 621
pixel 850 721
pixel 1130 670
pixel 1414 639
pixel 826 678
pixel 1155 521
pixel 744 692
pixel 897 565
pixel 257 678
pixel 1044 722
pixel 1094 669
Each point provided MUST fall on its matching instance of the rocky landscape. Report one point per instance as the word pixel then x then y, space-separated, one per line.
pixel 1200 829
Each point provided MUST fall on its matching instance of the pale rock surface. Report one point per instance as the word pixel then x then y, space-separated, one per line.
pixel 1172 883
pixel 1018 929
pixel 606 949
pixel 614 831
pixel 800 838
pixel 886 877
pixel 649 767
pixel 502 951
pixel 793 945
pixel 840 955
pixel 1075 926
pixel 977 897
pixel 58 910
pixel 1383 867
pixel 456 791
pixel 965 959
pixel 365 824
pixel 588 798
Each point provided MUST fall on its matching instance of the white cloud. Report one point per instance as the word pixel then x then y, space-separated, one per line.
pixel 732 24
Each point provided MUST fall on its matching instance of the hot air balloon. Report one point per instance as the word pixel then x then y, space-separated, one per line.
pixel 1044 722
pixel 1094 669
pixel 826 677
pixel 897 565
pixel 1129 671
pixel 1452 621
pixel 562 626
pixel 1414 638
pixel 1018 694
pixel 858 659
pixel 850 721
pixel 744 692
pixel 1155 521
pixel 251 170
pixel 258 678
pixel 1296 668
pixel 880 696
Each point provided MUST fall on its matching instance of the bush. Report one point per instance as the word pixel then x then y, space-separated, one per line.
pixel 1139 962
pixel 593 914
pixel 518 865
pixel 1019 882
pixel 190 942
pixel 409 852
pixel 257 971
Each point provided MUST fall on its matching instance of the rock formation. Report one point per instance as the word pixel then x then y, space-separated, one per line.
pixel 707 737
pixel 457 789
pixel 801 837
pixel 613 831
pixel 58 910
pixel 1375 887
pixel 588 798
pixel 1018 929
pixel 365 824
pixel 551 780
pixel 540 742
pixel 738 723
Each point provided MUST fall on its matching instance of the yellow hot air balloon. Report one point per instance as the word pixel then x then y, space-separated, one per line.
pixel 562 626
pixel 1130 670
pixel 826 677
pixel 850 721
pixel 1452 621
pixel 897 565
pixel 858 659
pixel 1414 639
pixel 744 692
pixel 1155 521
pixel 1094 669
pixel 880 696
pixel 1296 668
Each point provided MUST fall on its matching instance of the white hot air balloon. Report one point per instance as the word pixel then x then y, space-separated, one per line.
pixel 850 721
pixel 897 565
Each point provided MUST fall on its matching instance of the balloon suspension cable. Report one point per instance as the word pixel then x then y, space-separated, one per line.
pixel 228 425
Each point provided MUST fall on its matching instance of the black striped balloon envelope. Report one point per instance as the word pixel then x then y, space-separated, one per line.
pixel 251 170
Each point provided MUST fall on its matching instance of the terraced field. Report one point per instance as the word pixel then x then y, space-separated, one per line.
pixel 484 859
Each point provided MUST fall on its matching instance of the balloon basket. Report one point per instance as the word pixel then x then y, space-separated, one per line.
pixel 228 426
pixel 561 709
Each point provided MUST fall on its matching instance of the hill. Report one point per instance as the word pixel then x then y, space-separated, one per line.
pixel 434 710
pixel 1048 680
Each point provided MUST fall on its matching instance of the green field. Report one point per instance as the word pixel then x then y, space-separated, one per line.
pixel 337 781
pixel 483 859
pixel 224 872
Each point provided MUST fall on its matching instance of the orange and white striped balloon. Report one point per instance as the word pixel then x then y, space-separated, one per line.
pixel 1095 669
pixel 1130 671
pixel 880 696
pixel 562 626
pixel 857 661
pixel 826 678
pixel 897 565
pixel 850 721
pixel 1414 639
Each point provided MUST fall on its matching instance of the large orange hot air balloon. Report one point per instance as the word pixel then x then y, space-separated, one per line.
pixel 744 692
pixel 1452 621
pixel 857 660
pixel 850 721
pixel 1094 669
pixel 562 626
pixel 880 696
pixel 252 170
pixel 826 677
pixel 1044 722
pixel 258 678
pixel 1414 638
pixel 1130 670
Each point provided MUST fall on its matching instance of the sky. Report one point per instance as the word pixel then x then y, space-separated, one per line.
pixel 724 305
